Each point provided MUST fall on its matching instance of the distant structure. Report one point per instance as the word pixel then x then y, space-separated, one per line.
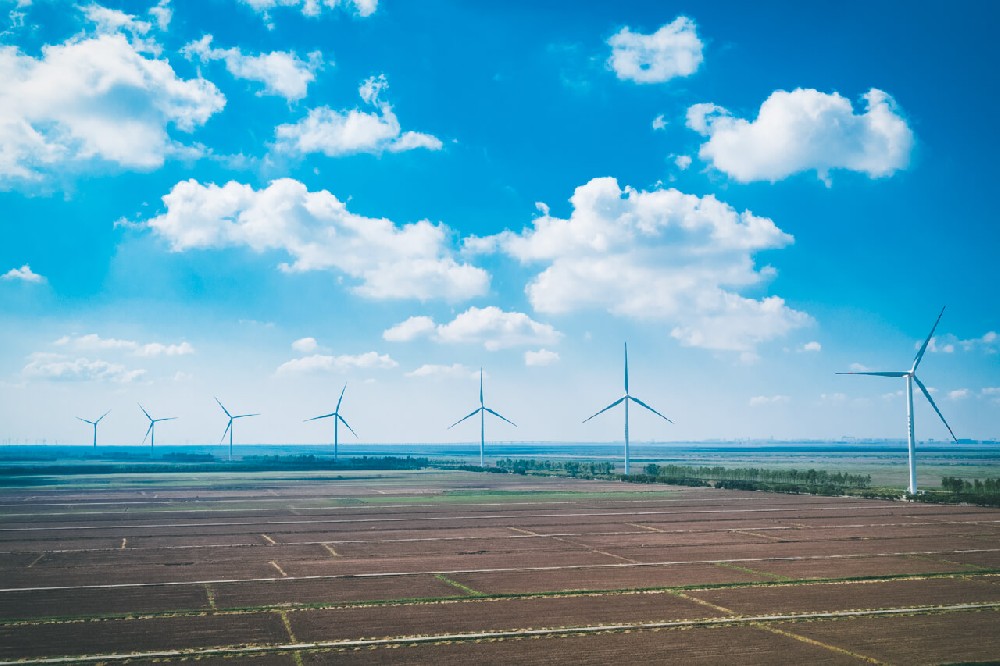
pixel 94 423
pixel 229 426
pixel 151 431
pixel 626 398
pixel 911 376
pixel 337 420
pixel 481 410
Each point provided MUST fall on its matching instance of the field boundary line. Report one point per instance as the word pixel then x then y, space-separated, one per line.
pixel 827 646
pixel 568 567
pixel 278 567
pixel 774 577
pixel 464 588
pixel 330 550
pixel 500 635
pixel 269 540
pixel 36 560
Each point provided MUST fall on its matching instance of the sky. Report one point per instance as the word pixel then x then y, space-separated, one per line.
pixel 266 200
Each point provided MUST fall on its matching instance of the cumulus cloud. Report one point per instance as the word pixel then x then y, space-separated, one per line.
pixel 335 133
pixel 541 357
pixel 94 342
pixel 454 371
pixel 322 363
pixel 988 343
pixel 672 51
pixel 959 394
pixel 23 274
pixel 317 232
pixel 57 367
pixel 660 255
pixel 93 100
pixel 811 347
pixel 305 345
pixel 991 393
pixel 659 123
pixel 682 162
pixel 313 8
pixel 764 400
pixel 490 326
pixel 281 72
pixel 805 130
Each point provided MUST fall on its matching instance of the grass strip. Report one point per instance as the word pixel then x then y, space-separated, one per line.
pixel 734 567
pixel 455 583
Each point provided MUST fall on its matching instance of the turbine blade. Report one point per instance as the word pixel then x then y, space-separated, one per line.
pixel 145 412
pixel 148 430
pixel 923 347
pixel 243 416
pixel 876 374
pixel 927 394
pixel 481 387
pixel 325 416
pixel 614 404
pixel 226 431
pixel 626 368
pixel 476 411
pixel 500 417
pixel 340 399
pixel 169 418
pixel 86 421
pixel 348 427
pixel 223 407
pixel 102 417
pixel 642 404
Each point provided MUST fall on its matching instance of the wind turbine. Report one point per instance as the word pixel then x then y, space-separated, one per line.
pixel 911 376
pixel 481 410
pixel 229 426
pixel 337 420
pixel 151 432
pixel 94 423
pixel 625 398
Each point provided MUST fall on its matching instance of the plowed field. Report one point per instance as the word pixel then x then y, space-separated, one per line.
pixel 457 568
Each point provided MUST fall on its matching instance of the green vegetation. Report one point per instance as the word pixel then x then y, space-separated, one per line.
pixel 984 492
pixel 814 482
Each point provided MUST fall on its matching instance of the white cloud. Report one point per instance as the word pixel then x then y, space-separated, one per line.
pixel 336 133
pixel 305 345
pixel 454 371
pixel 281 72
pixel 94 342
pixel 858 367
pixel 56 367
pixel 833 397
pixel 412 328
pixel 812 346
pixel 490 326
pixel 362 8
pixel 763 400
pixel 93 100
pixel 989 343
pixel 672 51
pixel 959 394
pixel 660 255
pixel 805 130
pixel 325 363
pixel 541 357
pixel 318 232
pixel 23 274
pixel 659 123
pixel 162 13
pixel 682 162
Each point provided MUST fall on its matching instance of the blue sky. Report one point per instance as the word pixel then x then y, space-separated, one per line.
pixel 264 200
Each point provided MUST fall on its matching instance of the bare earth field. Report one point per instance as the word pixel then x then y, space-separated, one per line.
pixel 458 568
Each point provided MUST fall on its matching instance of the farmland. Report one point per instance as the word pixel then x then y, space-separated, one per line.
pixel 448 567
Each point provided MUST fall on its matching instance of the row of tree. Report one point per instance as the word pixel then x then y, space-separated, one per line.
pixel 975 487
pixel 757 475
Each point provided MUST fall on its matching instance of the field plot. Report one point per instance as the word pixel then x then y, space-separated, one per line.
pixel 451 567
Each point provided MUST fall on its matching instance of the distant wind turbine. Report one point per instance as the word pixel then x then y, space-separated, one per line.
pixel 337 420
pixel 911 376
pixel 481 410
pixel 94 423
pixel 229 426
pixel 151 432
pixel 626 398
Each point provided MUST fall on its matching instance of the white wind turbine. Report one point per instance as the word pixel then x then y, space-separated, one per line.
pixel 481 410
pixel 94 423
pixel 911 376
pixel 337 420
pixel 229 426
pixel 626 398
pixel 151 431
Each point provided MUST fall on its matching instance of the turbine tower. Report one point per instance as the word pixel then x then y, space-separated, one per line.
pixel 626 398
pixel 911 376
pixel 337 420
pixel 151 432
pixel 94 423
pixel 481 410
pixel 229 426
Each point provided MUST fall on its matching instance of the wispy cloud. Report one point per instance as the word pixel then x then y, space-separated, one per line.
pixel 323 363
pixel 23 274
pixel 540 358
pixel 454 371
pixel 490 326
